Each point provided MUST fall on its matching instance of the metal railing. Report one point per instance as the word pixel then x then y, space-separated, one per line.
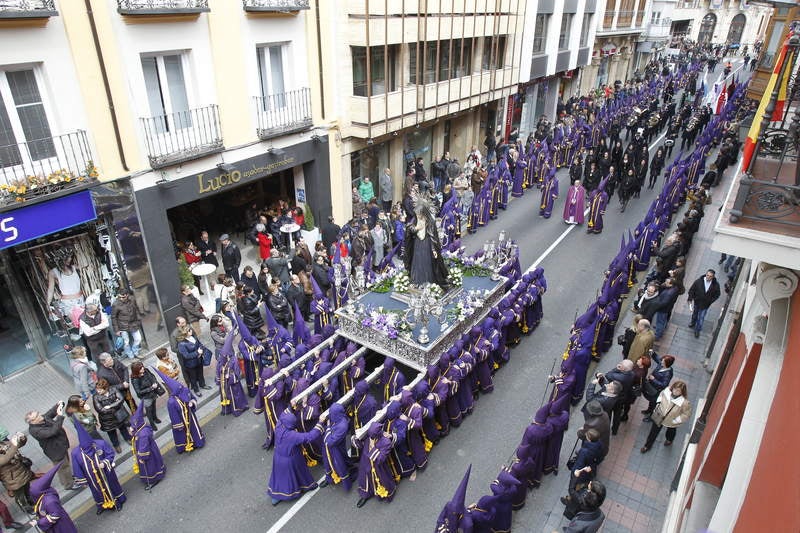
pixel 160 6
pixel 181 136
pixel 42 166
pixel 27 7
pixel 275 5
pixel 282 113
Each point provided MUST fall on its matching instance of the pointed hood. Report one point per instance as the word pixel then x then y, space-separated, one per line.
pixel 227 347
pixel 39 486
pixel 137 418
pixel 244 331
pixel 85 441
pixel 455 507
pixel 300 331
pixel 174 386
pixel 541 414
pixel 318 294
pixel 272 324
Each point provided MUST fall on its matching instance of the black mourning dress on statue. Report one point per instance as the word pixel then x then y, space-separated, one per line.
pixel 423 257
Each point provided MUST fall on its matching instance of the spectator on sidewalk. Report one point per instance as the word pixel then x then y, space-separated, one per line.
pixel 640 370
pixel 658 380
pixel 666 301
pixel 191 307
pixel 117 376
pixel 208 250
pixel 48 430
pixel 703 292
pixel 607 396
pixel 330 232
pixel 165 364
pixel 180 322
pixel 193 352
pixel 642 341
pixel 648 302
pixel 231 257
pixel 112 413
pixel 81 410
pixel 249 279
pixel 83 371
pixel 15 473
pixel 672 410
pixel 146 387
pixel 622 374
pixel 588 457
pixel 387 190
pixel 278 268
pixel 626 339
pixel 595 418
pixel 94 328
pixel 583 509
pixel 127 323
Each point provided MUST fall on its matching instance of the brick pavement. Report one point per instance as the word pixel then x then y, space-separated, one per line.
pixel 638 484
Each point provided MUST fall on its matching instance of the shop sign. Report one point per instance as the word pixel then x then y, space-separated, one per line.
pixel 219 181
pixel 37 220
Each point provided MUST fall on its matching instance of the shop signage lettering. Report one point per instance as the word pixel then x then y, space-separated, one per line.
pixel 229 178
pixel 37 220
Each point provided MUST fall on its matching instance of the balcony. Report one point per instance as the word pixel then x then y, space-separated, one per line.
pixel 27 9
pixel 279 114
pixel 761 217
pixel 274 6
pixel 37 168
pixel 174 138
pixel 162 7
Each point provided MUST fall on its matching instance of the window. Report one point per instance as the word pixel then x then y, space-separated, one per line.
pixel 540 33
pixel 655 18
pixel 379 66
pixel 494 52
pixel 23 119
pixel 585 29
pixel 566 25
pixel 455 60
pixel 271 78
pixel 166 91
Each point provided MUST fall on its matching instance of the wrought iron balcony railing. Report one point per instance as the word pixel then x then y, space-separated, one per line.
pixel 283 113
pixel 283 6
pixel 43 166
pixel 26 9
pixel 769 189
pixel 161 7
pixel 173 138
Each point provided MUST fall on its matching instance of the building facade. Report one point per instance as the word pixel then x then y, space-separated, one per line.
pixel 145 122
pixel 403 80
pixel 619 25
pixel 732 22
pixel 655 37
pixel 552 68
pixel 735 467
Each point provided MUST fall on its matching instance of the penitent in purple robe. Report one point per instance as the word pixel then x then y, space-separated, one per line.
pixel 232 398
pixel 50 514
pixel 400 460
pixel 290 476
pixel 338 466
pixel 148 462
pixel 597 208
pixel 535 437
pixel 517 190
pixel 269 401
pixel 186 430
pixel 574 205
pixel 549 195
pixel 92 465
pixel 558 420
pixel 374 474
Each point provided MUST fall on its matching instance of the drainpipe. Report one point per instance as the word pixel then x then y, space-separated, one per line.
pixel 104 73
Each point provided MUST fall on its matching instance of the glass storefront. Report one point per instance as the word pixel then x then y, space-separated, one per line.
pixel 45 282
pixel 418 143
pixel 370 162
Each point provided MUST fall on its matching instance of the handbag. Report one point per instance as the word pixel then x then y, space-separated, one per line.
pixel 160 390
pixel 658 418
pixel 649 390
pixel 573 457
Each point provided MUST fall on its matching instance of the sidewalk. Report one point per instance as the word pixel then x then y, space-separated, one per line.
pixel 638 485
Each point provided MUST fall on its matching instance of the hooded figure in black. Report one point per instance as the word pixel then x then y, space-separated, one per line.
pixel 423 249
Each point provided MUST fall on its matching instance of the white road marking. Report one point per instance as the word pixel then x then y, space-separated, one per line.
pixel 294 509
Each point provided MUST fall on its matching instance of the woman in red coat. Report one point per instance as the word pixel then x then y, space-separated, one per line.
pixel 264 242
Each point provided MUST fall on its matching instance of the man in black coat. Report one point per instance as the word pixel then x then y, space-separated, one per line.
pixel 208 250
pixel 607 396
pixel 296 295
pixel 703 292
pixel 231 257
pixel 622 374
pixel 48 429
pixel 330 232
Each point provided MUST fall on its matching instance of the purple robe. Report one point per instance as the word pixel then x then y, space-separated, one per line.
pixel 574 205
pixel 535 438
pixel 321 308
pixel 232 398
pixel 559 423
pixel 597 208
pixel 392 380
pixel 418 444
pixel 400 461
pixel 338 466
pixel 186 430
pixel 92 466
pixel 517 190
pixel 363 407
pixel 148 456
pixel 50 514
pixel 265 403
pixel 374 474
pixel 290 476
pixel 549 195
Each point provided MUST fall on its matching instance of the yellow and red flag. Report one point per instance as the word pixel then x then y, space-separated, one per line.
pixel 755 128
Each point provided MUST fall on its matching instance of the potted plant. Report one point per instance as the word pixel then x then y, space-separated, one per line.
pixel 310 232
